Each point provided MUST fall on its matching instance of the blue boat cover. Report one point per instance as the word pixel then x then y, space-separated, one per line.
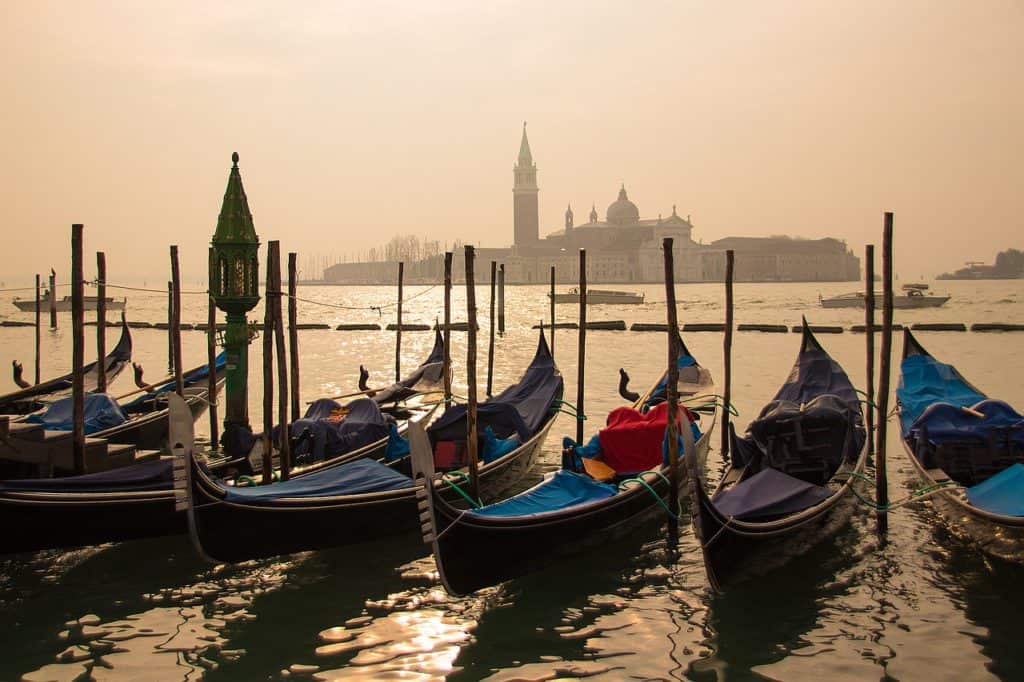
pixel 924 381
pixel 768 493
pixel 326 432
pixel 101 412
pixel 951 423
pixel 360 476
pixel 562 490
pixel 190 378
pixel 658 393
pixel 1002 493
pixel 154 475
pixel 495 447
pixel 519 409
pixel 397 447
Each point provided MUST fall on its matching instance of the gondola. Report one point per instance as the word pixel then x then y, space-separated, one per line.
pixel 141 422
pixel 966 448
pixel 789 478
pixel 134 501
pixel 34 397
pixel 568 511
pixel 365 499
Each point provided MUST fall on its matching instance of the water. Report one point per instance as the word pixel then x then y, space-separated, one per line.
pixel 923 605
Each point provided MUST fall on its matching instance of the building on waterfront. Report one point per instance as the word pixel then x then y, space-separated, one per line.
pixel 622 248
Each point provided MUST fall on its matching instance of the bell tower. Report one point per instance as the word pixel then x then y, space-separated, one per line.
pixel 524 197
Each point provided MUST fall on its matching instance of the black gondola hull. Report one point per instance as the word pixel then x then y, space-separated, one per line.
pixel 473 552
pixel 226 531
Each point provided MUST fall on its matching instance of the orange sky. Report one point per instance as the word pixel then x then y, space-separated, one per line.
pixel 357 121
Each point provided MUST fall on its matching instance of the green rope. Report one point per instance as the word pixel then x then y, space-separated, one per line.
pixel 717 403
pixel 574 415
pixel 476 504
pixel 248 480
pixel 657 497
pixel 868 402
pixel 911 497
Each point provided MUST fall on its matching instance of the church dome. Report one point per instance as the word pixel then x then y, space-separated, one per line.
pixel 623 211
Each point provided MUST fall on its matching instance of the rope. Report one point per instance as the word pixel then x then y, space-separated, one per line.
pixel 476 504
pixel 378 308
pixel 96 283
pixel 913 496
pixel 657 497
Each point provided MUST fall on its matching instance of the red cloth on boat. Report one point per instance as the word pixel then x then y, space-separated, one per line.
pixel 634 441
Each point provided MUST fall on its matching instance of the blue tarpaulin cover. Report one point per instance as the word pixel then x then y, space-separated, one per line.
pixel 951 423
pixel 397 447
pixel 190 378
pixel 361 476
pixel 519 409
pixel 1002 493
pixel 101 412
pixel 658 393
pixel 321 434
pixel 924 381
pixel 769 493
pixel 562 490
pixel 153 475
pixel 495 447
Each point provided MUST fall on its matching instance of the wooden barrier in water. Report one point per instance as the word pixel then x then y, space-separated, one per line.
pixel 283 396
pixel 446 366
pixel 818 329
pixel 53 299
pixel 939 327
pixel 357 327
pixel 769 328
pixel 672 393
pixel 881 476
pixel 409 327
pixel 211 357
pixel 581 357
pixel 490 331
pixel 293 338
pixel 996 327
pixel 398 325
pixel 175 331
pixel 730 260
pixel 471 428
pixel 77 348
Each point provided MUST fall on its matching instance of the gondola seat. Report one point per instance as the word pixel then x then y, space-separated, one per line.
pixel 768 494
pixel 808 441
pixel 360 476
pixel 559 490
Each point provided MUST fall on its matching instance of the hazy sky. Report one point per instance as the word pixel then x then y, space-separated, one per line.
pixel 356 121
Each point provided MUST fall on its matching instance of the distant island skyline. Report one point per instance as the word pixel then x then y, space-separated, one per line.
pixel 1009 264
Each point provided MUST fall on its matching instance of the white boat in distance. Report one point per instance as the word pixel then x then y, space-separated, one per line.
pixel 599 297
pixel 914 296
pixel 63 305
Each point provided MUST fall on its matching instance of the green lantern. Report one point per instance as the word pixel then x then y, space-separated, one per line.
pixel 234 283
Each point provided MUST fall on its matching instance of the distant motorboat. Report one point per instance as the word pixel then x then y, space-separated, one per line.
pixel 914 297
pixel 63 305
pixel 600 297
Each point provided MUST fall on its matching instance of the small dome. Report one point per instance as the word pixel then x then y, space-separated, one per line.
pixel 623 211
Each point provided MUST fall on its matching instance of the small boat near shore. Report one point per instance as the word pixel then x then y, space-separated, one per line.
pixel 63 305
pixel 967 448
pixel 600 297
pixel 914 296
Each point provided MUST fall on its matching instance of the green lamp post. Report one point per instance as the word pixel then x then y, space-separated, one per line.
pixel 234 283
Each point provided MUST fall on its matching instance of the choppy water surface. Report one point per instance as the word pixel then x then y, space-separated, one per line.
pixel 923 605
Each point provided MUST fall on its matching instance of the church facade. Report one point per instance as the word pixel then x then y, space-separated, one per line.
pixel 622 248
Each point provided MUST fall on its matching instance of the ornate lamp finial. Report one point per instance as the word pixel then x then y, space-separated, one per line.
pixel 234 159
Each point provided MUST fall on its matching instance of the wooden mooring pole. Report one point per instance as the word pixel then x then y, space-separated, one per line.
pixel 293 333
pixel 101 322
pixel 552 293
pixel 283 396
pixel 38 328
pixel 398 331
pixel 672 391
pixel 170 323
pixel 869 331
pixel 268 374
pixel 175 332
pixel 881 478
pixel 447 332
pixel 77 350
pixel 581 351
pixel 501 299
pixel 490 342
pixel 727 352
pixel 53 299
pixel 211 358
pixel 471 430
